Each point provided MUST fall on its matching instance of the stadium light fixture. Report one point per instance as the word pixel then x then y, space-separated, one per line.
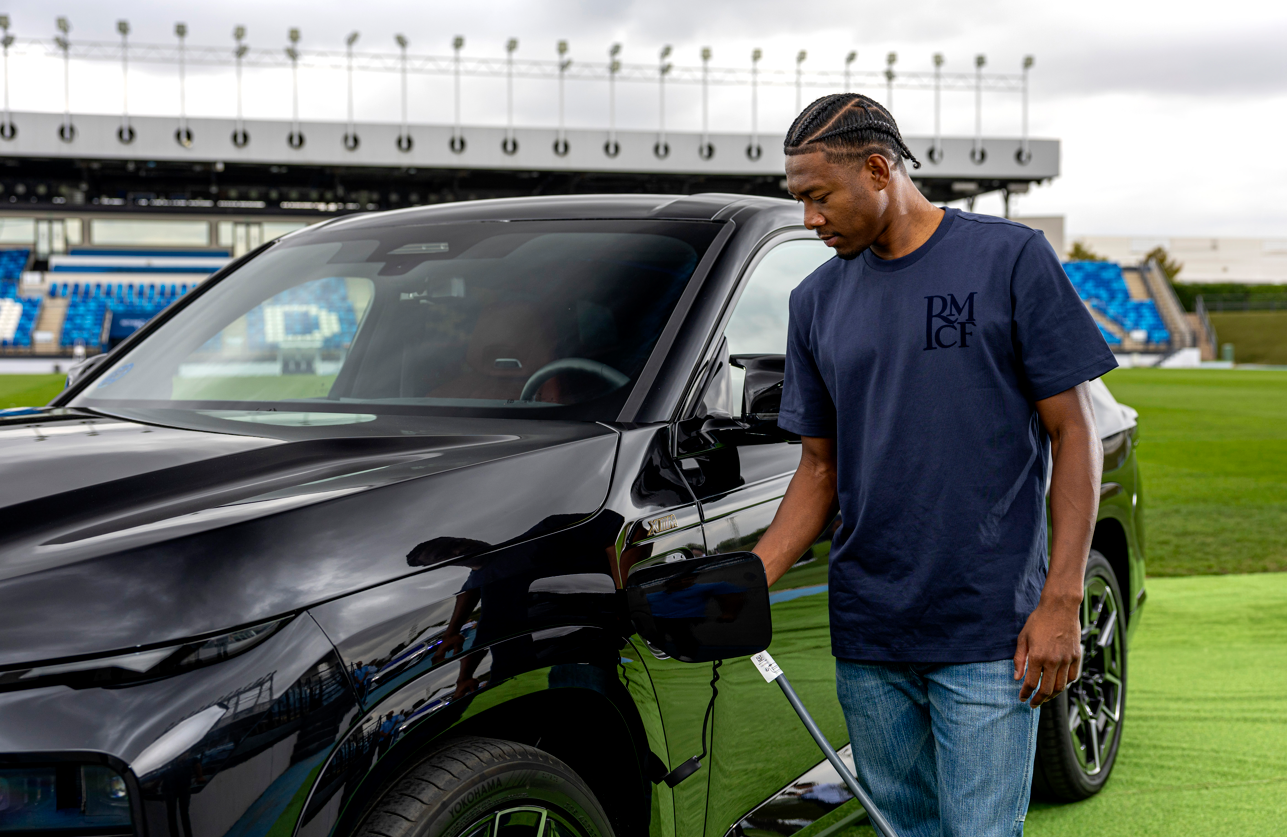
pixel 1024 155
pixel 404 141
pixel 611 147
pixel 661 148
pixel 978 153
pixel 800 58
pixel 510 143
pixel 66 131
pixel 753 149
pixel 705 150
pixel 239 136
pixel 295 139
pixel 183 134
pixel 350 138
pixel 7 129
pixel 849 60
pixel 457 142
pixel 890 60
pixel 561 139
pixel 936 150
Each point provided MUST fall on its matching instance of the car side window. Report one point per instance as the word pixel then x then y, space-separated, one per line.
pixel 759 321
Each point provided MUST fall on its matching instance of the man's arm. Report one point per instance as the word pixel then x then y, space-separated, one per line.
pixel 806 508
pixel 1050 643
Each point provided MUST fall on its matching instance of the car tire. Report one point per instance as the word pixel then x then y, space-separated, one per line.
pixel 1081 729
pixel 484 787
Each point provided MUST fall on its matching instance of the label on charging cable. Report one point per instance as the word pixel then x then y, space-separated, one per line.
pixel 767 667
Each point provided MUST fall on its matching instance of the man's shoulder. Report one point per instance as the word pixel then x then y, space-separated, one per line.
pixel 820 281
pixel 1002 230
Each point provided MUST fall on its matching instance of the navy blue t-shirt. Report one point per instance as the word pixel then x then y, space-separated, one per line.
pixel 925 369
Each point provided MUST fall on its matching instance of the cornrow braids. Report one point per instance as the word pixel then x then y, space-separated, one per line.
pixel 847 125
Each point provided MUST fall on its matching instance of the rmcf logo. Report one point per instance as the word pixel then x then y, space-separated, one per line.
pixel 947 322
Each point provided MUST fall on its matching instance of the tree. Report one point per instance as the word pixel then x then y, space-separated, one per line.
pixel 1170 267
pixel 1081 253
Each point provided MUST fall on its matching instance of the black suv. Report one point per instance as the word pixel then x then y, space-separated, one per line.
pixel 336 544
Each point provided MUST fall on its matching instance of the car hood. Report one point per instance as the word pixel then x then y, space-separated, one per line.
pixel 132 529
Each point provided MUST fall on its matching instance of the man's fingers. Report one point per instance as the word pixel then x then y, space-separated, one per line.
pixel 1061 680
pixel 1020 657
pixel 1031 679
pixel 1046 687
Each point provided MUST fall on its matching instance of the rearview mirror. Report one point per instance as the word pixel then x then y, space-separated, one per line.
pixel 703 609
pixel 762 392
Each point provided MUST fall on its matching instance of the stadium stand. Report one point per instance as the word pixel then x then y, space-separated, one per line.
pixel 1103 288
pixel 131 305
pixel 317 312
pixel 17 313
pixel 12 263
pixel 89 260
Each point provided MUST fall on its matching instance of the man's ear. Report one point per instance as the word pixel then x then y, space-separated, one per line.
pixel 880 170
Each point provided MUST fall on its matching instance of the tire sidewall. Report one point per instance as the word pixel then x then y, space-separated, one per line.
pixel 1056 712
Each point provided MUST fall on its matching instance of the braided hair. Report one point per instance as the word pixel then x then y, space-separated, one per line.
pixel 847 127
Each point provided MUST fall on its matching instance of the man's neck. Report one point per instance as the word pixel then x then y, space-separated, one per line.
pixel 912 221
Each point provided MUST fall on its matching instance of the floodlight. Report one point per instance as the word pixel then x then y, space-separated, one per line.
pixel 980 60
pixel 239 32
pixel 891 59
pixel 181 30
pixel 4 22
pixel 351 39
pixel 851 57
pixel 63 25
pixel 614 66
pixel 122 26
pixel 563 47
pixel 458 42
pixel 292 53
pixel 511 45
pixel 614 50
pixel 1028 61
pixel 62 43
pixel 665 52
pixel 757 54
pixel 938 59
pixel 293 34
pixel 402 40
pixel 801 56
pixel 242 50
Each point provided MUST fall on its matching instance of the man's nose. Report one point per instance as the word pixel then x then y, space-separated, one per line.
pixel 813 218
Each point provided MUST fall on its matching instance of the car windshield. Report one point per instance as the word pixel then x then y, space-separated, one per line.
pixel 545 319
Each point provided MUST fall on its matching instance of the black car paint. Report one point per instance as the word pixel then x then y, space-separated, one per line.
pixel 521 502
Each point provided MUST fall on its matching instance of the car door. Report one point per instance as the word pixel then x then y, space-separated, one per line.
pixel 758 743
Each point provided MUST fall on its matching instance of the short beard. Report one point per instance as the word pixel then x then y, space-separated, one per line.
pixel 848 257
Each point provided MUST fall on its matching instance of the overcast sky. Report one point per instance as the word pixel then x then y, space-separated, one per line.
pixel 1173 116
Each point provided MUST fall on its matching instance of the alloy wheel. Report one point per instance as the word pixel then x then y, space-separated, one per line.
pixel 1095 699
pixel 532 820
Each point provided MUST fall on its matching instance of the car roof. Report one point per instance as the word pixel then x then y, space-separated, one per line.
pixel 701 207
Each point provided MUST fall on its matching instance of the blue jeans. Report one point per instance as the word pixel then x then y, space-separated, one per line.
pixel 944 750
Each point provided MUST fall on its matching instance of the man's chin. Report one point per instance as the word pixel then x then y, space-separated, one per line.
pixel 848 254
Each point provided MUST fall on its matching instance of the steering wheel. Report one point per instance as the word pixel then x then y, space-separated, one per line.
pixel 602 371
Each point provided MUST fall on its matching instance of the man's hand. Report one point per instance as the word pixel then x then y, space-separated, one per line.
pixel 1049 646
pixel 1049 651
pixel 808 505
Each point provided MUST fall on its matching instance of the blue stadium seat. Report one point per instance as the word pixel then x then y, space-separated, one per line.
pixel 13 262
pixel 1102 286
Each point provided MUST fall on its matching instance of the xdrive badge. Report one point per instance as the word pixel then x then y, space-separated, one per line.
pixel 662 524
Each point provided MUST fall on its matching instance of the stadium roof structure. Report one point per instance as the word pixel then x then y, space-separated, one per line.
pixel 308 167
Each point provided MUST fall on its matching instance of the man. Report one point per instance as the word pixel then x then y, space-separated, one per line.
pixel 934 369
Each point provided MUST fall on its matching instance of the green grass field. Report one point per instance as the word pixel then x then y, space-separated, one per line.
pixel 1257 336
pixel 1213 455
pixel 29 390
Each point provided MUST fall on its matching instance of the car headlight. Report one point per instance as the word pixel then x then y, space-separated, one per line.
pixel 135 666
pixel 66 797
